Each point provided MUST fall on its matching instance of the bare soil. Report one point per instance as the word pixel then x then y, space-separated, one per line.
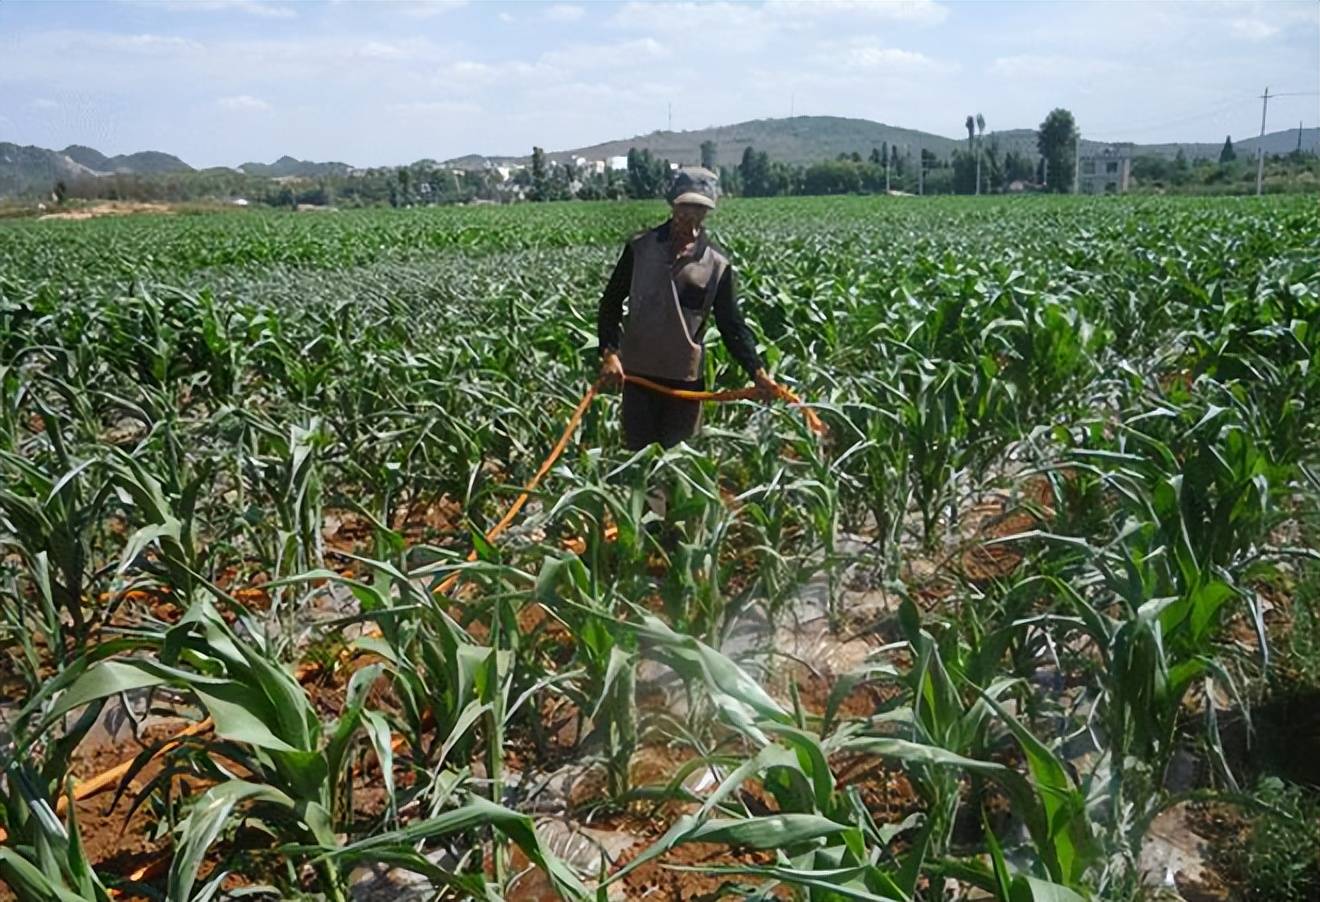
pixel 109 208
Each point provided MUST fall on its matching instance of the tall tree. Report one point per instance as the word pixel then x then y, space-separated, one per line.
pixel 1017 167
pixel 1227 155
pixel 980 145
pixel 539 175
pixel 646 174
pixel 970 124
pixel 1056 140
pixel 964 172
pixel 405 186
pixel 708 154
pixel 758 178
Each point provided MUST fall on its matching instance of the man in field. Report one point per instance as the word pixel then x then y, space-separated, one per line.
pixel 675 281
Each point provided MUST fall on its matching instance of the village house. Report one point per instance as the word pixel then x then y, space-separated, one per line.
pixel 1106 170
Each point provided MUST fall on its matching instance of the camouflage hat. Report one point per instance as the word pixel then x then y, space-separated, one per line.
pixel 694 185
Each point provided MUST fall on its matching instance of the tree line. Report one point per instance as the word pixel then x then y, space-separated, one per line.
pixel 979 167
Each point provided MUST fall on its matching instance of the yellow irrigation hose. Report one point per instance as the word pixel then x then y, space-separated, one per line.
pixel 89 787
pixel 719 397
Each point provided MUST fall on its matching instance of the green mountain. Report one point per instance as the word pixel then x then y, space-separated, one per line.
pixel 27 171
pixel 800 139
pixel 287 166
pixel 1281 142
pixel 33 171
pixel 808 139
pixel 142 163
pixel 87 156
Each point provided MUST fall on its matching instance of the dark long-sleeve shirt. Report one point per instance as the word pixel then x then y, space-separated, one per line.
pixel 729 320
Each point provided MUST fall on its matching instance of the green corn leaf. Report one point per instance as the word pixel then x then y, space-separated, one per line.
pixel 771 832
pixel 999 867
pixel 842 883
pixel 475 813
pixel 103 680
pixel 29 882
pixel 1033 889
pixel 205 822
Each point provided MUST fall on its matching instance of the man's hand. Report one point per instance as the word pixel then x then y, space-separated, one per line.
pixel 611 371
pixel 769 389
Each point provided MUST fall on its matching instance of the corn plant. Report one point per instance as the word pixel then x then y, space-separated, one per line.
pixel 1131 383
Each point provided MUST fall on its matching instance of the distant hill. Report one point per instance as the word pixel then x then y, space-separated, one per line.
pixel 27 170
pixel 1282 142
pixel 32 171
pixel 286 167
pixel 808 139
pixel 142 163
pixel 800 139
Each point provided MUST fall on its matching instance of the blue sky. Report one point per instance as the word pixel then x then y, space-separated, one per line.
pixel 220 82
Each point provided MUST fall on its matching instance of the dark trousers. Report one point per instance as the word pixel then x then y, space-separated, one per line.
pixel 651 417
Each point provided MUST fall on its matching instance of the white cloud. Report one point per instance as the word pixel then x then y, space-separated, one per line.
pixel 469 74
pixel 603 56
pixel 915 12
pixel 720 17
pixel 424 9
pixel 1253 29
pixel 250 7
pixel 564 12
pixel 41 103
pixel 244 103
pixel 136 44
pixel 892 58
pixel 380 50
pixel 424 107
pixel 507 19
pixel 1032 66
pixel 730 17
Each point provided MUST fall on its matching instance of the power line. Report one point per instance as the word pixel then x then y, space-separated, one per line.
pixel 1153 124
pixel 1238 101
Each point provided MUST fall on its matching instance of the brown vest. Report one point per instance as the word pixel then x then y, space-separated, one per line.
pixel 661 337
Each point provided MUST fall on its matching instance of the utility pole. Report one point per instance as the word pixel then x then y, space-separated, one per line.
pixel 792 104
pixel 671 115
pixel 921 171
pixel 1299 136
pixel 1260 147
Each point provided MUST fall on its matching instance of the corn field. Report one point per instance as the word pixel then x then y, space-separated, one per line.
pixel 1021 603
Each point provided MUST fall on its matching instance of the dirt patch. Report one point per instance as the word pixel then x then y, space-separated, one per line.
pixel 109 208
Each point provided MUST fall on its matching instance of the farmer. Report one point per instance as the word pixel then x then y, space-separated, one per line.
pixel 674 279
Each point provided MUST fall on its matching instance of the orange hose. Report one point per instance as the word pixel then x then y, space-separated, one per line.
pixel 736 394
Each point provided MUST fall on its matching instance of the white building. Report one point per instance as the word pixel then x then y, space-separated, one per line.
pixel 618 164
pixel 1105 171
